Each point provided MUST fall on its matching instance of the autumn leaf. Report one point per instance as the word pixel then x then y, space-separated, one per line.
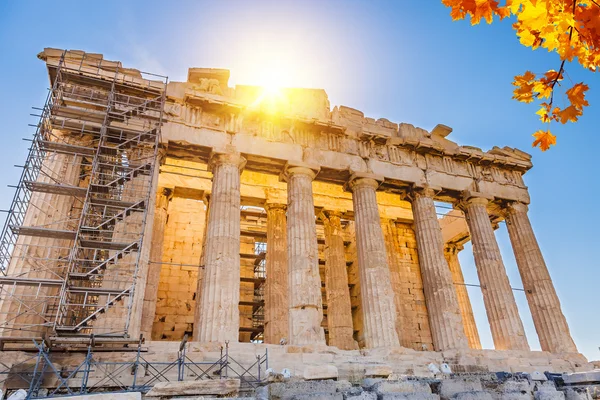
pixel 576 95
pixel 544 139
pixel 570 113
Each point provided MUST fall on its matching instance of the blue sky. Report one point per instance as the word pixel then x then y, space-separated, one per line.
pixel 402 60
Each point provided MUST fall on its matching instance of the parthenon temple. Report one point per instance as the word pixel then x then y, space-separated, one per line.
pixel 165 210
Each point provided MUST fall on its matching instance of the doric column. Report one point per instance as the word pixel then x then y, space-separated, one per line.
pixel 339 309
pixel 390 233
pixel 155 264
pixel 276 285
pixel 218 309
pixel 306 306
pixel 500 305
pixel 377 296
pixel 442 303
pixel 451 252
pixel 550 323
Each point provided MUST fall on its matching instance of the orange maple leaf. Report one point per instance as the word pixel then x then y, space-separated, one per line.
pixel 570 113
pixel 576 95
pixel 543 140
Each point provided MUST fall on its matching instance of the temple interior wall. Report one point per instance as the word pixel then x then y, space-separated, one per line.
pixel 182 244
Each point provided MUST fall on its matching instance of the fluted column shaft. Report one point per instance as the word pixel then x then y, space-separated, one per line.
pixel 339 308
pixel 306 306
pixel 276 285
pixel 377 295
pixel 390 233
pixel 500 305
pixel 451 253
pixel 442 303
pixel 550 323
pixel 218 308
pixel 155 264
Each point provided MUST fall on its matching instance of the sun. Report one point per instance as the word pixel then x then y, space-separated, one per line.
pixel 271 98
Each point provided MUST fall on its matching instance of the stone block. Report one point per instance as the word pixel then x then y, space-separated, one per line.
pixel 105 396
pixel 538 376
pixel 373 371
pixel 409 396
pixel 515 396
pixel 368 383
pixel 318 396
pixel 450 387
pixel 473 396
pixel 385 387
pixel 342 386
pixel 548 395
pixel 222 387
pixel 578 378
pixel 289 389
pixel 319 372
pixel 577 394
pixel 361 396
pixel 518 385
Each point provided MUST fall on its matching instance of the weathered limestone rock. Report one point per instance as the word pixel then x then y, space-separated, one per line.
pixel 339 310
pixel 449 388
pixel 320 372
pixel 306 306
pixel 466 311
pixel 442 303
pixel 550 323
pixel 155 264
pixel 220 387
pixel 276 285
pixel 387 387
pixel 500 305
pixel 218 308
pixel 377 296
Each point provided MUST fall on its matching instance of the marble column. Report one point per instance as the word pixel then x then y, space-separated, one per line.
pixel 377 295
pixel 159 223
pixel 444 312
pixel 218 309
pixel 339 308
pixel 500 305
pixel 390 233
pixel 276 285
pixel 550 323
pixel 304 295
pixel 451 252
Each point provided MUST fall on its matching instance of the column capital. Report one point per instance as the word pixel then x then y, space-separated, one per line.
pixel 299 167
pixel 333 213
pixel 470 197
pixel 218 158
pixel 517 206
pixel 421 191
pixel 453 248
pixel 363 179
pixel 275 206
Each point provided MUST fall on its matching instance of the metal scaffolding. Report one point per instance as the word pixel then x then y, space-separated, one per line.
pixel 71 246
pixel 42 373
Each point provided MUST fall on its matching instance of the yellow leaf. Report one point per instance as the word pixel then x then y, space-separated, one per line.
pixel 544 113
pixel 543 140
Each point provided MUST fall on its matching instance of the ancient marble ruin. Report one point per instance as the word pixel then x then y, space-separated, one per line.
pixel 266 220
